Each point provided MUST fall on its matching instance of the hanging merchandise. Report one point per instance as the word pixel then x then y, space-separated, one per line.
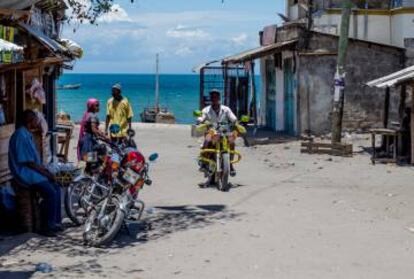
pixel 36 19
pixel 7 33
pixel 37 92
pixel 42 123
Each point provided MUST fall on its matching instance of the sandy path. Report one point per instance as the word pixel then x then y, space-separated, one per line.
pixel 289 216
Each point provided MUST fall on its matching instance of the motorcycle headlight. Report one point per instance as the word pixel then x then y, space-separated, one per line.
pixel 216 137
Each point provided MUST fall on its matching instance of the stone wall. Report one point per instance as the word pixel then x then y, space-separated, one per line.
pixel 364 106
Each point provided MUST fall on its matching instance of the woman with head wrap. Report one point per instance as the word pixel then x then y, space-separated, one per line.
pixel 89 130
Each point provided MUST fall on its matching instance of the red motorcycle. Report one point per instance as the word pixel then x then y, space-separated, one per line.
pixel 116 194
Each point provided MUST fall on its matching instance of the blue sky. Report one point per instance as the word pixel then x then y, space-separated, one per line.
pixel 184 32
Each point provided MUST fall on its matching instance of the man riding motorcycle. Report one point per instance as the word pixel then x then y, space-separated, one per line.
pixel 217 113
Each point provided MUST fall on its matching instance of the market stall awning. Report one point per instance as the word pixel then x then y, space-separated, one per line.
pixel 256 53
pixel 393 79
pixel 49 43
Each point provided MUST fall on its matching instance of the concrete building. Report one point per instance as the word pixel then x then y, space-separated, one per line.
pixel 387 22
pixel 298 81
pixel 298 63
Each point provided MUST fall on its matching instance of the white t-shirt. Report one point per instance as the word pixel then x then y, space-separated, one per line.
pixel 225 115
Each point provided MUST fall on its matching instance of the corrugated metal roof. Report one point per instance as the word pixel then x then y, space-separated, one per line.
pixel 256 53
pixel 198 68
pixel 393 79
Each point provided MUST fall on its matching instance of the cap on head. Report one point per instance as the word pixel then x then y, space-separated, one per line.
pixel 117 86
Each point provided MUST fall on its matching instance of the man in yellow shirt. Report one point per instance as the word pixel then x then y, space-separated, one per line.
pixel 118 112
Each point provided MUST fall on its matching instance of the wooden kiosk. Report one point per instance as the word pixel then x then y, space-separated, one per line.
pixel 401 82
pixel 31 60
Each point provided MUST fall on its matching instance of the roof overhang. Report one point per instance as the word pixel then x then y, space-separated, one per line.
pixel 17 4
pixel 49 43
pixel 393 79
pixel 257 53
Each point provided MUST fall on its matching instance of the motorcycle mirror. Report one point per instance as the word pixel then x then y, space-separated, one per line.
pixel 197 113
pixel 245 119
pixel 114 128
pixel 153 157
pixel 131 133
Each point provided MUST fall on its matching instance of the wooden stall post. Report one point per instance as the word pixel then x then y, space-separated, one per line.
pixel 412 123
pixel 386 107
pixel 253 92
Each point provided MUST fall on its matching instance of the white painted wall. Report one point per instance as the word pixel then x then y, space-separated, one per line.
pixel 293 12
pixel 402 27
pixel 379 27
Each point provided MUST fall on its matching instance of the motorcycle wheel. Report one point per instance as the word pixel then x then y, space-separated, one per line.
pixel 223 181
pixel 94 234
pixel 72 200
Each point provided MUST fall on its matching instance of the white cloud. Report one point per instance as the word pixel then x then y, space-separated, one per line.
pixel 184 39
pixel 183 51
pixel 240 39
pixel 117 14
pixel 185 32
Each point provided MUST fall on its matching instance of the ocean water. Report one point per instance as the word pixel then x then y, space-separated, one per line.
pixel 180 93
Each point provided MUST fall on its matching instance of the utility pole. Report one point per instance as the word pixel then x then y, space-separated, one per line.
pixel 339 95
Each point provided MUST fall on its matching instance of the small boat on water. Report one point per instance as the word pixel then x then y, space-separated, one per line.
pixel 157 114
pixel 69 86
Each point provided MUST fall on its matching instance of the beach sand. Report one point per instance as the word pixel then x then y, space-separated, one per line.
pixel 288 216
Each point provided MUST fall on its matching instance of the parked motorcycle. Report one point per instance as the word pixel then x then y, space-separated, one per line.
pixel 217 160
pixel 86 189
pixel 126 171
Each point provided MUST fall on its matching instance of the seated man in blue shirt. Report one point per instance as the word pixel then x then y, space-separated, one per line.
pixel 26 167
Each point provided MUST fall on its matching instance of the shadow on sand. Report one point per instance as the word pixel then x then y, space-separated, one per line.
pixel 171 219
pixel 158 222
pixel 16 274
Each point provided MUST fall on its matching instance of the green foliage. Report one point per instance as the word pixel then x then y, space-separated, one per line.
pixel 89 10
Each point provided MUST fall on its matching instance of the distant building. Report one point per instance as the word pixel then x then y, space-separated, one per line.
pixel 298 62
pixel 387 22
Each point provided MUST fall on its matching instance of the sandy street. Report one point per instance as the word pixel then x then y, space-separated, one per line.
pixel 288 216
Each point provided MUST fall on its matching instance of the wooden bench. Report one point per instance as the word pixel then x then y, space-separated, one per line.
pixel 335 149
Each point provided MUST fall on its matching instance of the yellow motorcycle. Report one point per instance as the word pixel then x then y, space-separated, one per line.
pixel 219 157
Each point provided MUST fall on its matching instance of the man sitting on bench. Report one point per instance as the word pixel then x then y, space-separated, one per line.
pixel 27 169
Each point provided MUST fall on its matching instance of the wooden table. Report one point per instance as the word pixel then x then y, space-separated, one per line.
pixel 388 135
pixel 65 131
